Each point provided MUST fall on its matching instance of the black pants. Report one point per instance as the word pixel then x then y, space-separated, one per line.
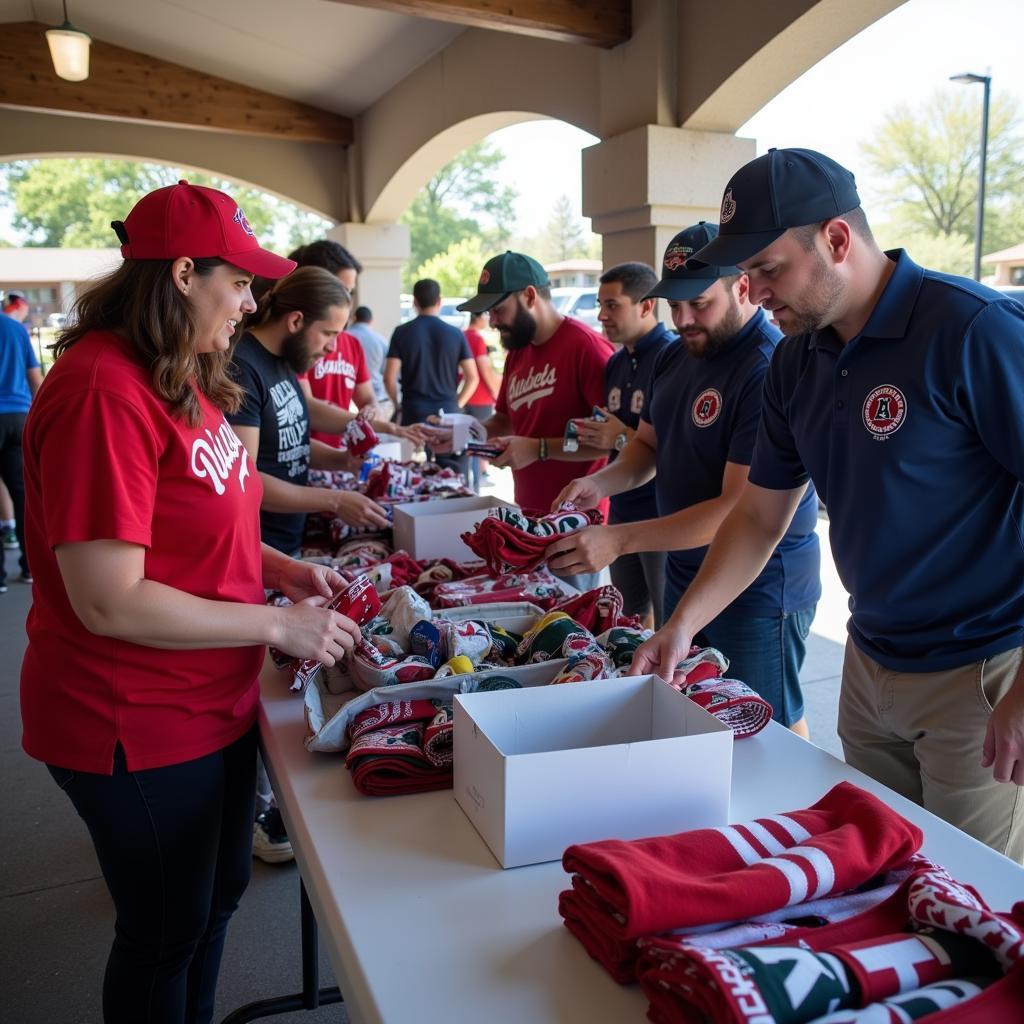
pixel 175 848
pixel 12 425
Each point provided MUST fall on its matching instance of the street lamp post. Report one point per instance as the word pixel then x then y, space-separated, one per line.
pixel 968 78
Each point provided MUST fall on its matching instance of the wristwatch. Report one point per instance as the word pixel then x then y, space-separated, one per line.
pixel 621 441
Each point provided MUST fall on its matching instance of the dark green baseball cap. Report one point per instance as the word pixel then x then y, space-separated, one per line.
pixel 502 275
pixel 680 281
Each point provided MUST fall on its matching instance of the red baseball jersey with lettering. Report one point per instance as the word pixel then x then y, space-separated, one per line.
pixel 106 460
pixel 334 378
pixel 543 387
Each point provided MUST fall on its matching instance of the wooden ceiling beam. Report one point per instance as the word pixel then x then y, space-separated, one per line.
pixel 603 23
pixel 124 85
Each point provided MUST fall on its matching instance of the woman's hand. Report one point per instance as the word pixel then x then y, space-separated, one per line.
pixel 299 580
pixel 308 630
pixel 358 510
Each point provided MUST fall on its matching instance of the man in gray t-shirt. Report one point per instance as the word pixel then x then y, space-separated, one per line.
pixel 375 349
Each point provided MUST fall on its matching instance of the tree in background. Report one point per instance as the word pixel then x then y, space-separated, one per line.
pixel 457 269
pixel 70 203
pixel 463 200
pixel 928 157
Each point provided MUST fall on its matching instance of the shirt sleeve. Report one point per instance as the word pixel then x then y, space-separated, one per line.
pixel 775 465
pixel 990 382
pixel 107 479
pixel 748 415
pixel 395 347
pixel 464 350
pixel 593 359
pixel 31 360
pixel 254 398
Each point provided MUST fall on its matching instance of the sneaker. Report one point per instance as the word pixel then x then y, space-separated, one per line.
pixel 3 588
pixel 270 838
pixel 25 577
pixel 10 540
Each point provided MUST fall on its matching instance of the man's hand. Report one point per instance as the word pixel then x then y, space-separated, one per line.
pixel 369 412
pixel 595 434
pixel 1003 749
pixel 519 452
pixel 418 433
pixel 357 509
pixel 662 653
pixel 583 493
pixel 587 550
pixel 299 580
pixel 308 630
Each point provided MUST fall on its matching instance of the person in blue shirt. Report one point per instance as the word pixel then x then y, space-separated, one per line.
pixel 697 432
pixel 900 393
pixel 629 320
pixel 20 378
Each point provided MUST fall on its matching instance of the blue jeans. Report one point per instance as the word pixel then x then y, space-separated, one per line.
pixel 175 848
pixel 765 653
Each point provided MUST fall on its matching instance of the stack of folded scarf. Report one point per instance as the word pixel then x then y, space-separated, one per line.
pixel 599 609
pixel 359 437
pixel 932 951
pixel 623 891
pixel 509 540
pixel 401 747
pixel 410 481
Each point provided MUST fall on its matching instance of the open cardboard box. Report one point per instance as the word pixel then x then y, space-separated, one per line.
pixel 431 529
pixel 539 769
pixel 395 448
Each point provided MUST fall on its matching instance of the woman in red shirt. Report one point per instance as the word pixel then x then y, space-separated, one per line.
pixel 148 625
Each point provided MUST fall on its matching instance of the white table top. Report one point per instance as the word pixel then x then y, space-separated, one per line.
pixel 422 924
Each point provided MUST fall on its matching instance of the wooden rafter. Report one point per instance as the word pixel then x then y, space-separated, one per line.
pixel 124 85
pixel 604 23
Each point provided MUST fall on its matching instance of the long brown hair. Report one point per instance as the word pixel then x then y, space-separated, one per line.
pixel 311 291
pixel 140 301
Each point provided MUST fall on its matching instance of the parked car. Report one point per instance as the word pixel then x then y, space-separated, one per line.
pixel 450 315
pixel 1015 291
pixel 57 321
pixel 579 303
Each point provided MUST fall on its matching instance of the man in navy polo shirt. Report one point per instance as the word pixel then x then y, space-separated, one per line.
pixel 697 431
pixel 627 315
pixel 900 393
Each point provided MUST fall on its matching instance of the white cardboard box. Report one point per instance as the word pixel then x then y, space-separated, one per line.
pixel 539 769
pixel 431 529
pixel 395 448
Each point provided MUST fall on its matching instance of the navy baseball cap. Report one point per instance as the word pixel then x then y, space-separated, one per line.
pixel 680 280
pixel 502 275
pixel 785 188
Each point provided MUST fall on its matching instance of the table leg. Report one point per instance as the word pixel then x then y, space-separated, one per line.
pixel 312 996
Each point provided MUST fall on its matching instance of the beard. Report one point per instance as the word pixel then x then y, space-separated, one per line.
pixel 818 304
pixel 716 338
pixel 520 332
pixel 295 351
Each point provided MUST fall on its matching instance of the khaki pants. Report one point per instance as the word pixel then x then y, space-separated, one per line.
pixel 921 733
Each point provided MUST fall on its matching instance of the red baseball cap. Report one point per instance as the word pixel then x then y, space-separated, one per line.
pixel 193 220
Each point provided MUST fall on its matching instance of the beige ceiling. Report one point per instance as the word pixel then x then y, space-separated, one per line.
pixel 330 55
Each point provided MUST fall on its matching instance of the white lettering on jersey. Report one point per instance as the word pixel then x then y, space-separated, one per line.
pixel 749 1000
pixel 636 405
pixel 903 957
pixel 526 390
pixel 336 367
pixel 214 455
pixel 614 399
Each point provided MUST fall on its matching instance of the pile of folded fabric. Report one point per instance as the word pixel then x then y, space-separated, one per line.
pixel 509 540
pixel 413 481
pixel 539 587
pixel 403 746
pixel 704 880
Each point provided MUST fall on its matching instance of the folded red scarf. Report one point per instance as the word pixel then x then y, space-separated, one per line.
pixel 622 890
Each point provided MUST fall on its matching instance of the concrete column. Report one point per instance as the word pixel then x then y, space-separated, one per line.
pixel 643 186
pixel 382 249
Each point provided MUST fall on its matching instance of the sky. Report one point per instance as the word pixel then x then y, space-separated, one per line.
pixel 833 107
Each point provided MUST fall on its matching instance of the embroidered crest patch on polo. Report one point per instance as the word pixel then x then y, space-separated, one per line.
pixel 885 409
pixel 707 407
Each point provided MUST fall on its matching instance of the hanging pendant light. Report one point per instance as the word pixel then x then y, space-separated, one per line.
pixel 69 50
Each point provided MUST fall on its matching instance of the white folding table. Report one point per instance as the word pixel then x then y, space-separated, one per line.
pixel 421 924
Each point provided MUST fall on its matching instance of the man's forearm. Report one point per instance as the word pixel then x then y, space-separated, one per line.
pixel 740 550
pixel 464 393
pixel 634 467
pixel 327 418
pixel 281 496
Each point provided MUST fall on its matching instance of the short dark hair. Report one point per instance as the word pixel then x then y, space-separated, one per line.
pixel 326 253
pixel 363 314
pixel 856 218
pixel 311 291
pixel 637 279
pixel 426 293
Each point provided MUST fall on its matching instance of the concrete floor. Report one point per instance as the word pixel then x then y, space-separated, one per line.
pixel 56 919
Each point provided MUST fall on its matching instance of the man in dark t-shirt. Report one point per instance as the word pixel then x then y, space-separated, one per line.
pixel 427 355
